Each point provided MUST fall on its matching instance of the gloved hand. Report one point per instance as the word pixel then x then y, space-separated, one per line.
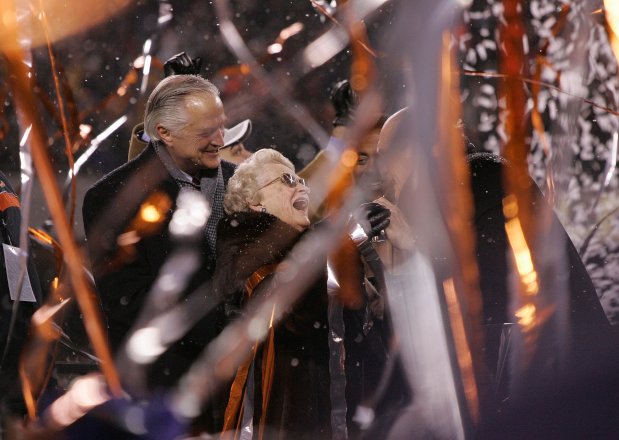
pixel 372 218
pixel 344 100
pixel 182 64
pixel 399 234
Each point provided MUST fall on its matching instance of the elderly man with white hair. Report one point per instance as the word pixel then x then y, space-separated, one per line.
pixel 127 213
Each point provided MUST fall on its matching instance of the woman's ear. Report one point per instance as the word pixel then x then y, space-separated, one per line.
pixel 254 203
pixel 164 134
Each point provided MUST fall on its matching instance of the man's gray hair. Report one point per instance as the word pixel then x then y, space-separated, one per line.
pixel 166 101
pixel 243 185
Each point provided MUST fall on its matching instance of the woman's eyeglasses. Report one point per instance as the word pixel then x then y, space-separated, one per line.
pixel 287 179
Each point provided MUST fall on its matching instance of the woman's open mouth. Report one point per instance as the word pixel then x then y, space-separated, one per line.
pixel 301 203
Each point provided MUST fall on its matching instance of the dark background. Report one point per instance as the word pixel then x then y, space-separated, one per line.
pixel 95 62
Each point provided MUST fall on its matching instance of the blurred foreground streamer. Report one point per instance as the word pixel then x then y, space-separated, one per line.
pixel 64 18
pixel 497 322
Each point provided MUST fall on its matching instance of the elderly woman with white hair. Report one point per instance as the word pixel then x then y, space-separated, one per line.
pixel 286 389
pixel 267 212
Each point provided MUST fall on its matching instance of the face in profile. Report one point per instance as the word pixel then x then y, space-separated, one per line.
pixel 366 169
pixel 196 144
pixel 394 160
pixel 283 195
pixel 236 153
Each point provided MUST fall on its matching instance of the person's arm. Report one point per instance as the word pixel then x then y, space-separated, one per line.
pixel 122 278
pixel 347 267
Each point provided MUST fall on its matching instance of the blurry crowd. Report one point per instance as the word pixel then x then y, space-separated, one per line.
pixel 249 299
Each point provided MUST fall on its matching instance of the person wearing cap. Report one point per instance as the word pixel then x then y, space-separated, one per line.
pixel 234 150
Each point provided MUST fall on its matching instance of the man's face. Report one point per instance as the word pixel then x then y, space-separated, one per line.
pixel 367 150
pixel 366 167
pixel 196 145
pixel 394 162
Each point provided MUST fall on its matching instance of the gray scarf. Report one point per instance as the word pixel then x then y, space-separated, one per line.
pixel 212 188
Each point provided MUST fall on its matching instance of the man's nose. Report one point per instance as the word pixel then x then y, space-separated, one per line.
pixel 374 163
pixel 219 138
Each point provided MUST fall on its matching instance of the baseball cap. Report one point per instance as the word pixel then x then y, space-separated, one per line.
pixel 239 133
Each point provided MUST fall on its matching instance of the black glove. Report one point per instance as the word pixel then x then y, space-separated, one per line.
pixel 372 217
pixel 182 64
pixel 344 100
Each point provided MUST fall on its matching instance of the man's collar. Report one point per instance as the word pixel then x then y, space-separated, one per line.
pixel 209 172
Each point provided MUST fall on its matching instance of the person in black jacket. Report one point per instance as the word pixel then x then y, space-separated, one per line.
pixel 569 373
pixel 565 397
pixel 13 340
pixel 127 213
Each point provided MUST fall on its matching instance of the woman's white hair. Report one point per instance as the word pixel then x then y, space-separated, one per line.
pixel 166 102
pixel 243 185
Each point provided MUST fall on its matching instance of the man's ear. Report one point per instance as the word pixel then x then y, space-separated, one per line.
pixel 164 134
pixel 256 208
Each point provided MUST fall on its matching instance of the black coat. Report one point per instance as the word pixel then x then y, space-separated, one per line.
pixel 124 275
pixel 580 398
pixel 299 404
pixel 487 172
pixel 10 222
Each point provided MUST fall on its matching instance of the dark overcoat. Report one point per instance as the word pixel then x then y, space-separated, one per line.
pixel 125 264
pixel 299 403
pixel 577 399
pixel 10 222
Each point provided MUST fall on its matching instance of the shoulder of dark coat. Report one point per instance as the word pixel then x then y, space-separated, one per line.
pixel 251 226
pixel 245 242
pixel 134 179
pixel 247 220
pixel 10 213
pixel 481 159
pixel 5 184
pixel 486 177
pixel 124 172
pixel 227 170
